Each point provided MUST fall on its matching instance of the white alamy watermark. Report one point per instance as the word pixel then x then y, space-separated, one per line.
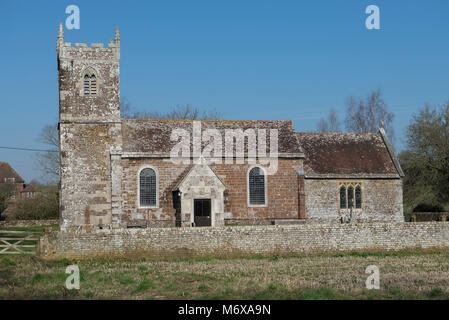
pixel 373 20
pixel 373 280
pixel 240 145
pixel 72 281
pixel 73 20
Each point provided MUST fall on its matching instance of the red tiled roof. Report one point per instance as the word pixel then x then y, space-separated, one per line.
pixel 6 171
pixel 346 154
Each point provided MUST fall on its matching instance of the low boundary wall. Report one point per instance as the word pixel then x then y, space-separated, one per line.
pixel 28 223
pixel 238 241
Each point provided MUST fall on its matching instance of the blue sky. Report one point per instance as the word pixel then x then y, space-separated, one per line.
pixel 246 59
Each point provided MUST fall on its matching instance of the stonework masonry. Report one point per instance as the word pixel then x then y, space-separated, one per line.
pixel 237 241
pixel 382 200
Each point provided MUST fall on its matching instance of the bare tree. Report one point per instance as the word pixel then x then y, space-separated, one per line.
pixel 183 112
pixel 364 115
pixel 49 161
pixel 331 124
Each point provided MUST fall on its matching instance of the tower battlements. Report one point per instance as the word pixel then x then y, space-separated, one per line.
pixel 93 50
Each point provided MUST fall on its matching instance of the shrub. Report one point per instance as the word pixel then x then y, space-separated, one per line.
pixel 426 207
pixel 45 205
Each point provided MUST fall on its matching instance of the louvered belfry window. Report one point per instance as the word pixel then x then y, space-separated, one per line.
pixel 90 85
pixel 147 188
pixel 256 186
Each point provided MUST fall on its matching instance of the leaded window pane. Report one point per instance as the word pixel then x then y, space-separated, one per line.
pixel 342 197
pixel 148 187
pixel 358 197
pixel 350 197
pixel 256 186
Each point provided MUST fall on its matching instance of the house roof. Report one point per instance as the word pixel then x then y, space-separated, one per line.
pixel 348 155
pixel 153 136
pixel 29 188
pixel 6 171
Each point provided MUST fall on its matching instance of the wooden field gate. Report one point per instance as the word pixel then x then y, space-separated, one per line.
pixel 18 242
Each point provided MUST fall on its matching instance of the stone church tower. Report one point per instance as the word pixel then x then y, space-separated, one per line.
pixel 89 129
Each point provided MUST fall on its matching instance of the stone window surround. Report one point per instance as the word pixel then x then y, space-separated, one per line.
pixel 138 187
pixel 265 189
pixel 354 184
pixel 89 71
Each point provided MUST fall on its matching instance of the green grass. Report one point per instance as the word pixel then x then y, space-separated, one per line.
pixel 403 275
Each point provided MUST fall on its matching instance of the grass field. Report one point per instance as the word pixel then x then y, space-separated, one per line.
pixel 403 275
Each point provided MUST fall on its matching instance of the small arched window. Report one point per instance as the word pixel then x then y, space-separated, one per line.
pixel 148 188
pixel 256 185
pixel 90 84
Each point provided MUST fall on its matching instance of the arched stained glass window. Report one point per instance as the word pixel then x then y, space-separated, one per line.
pixel 148 188
pixel 256 186
pixel 358 197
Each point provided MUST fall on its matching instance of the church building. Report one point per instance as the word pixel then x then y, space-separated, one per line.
pixel 127 173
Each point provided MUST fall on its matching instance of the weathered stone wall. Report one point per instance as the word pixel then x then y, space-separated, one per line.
pixel 90 131
pixel 228 241
pixel 282 191
pixel 381 200
pixel 85 174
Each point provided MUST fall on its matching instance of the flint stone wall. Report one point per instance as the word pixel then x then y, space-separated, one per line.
pixel 27 223
pixel 238 241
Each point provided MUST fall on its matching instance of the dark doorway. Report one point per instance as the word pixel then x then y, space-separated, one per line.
pixel 202 216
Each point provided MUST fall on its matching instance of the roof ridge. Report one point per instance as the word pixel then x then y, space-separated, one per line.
pixel 204 120
pixel 329 133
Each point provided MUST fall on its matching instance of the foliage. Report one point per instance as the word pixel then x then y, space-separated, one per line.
pixel 44 205
pixel 6 191
pixel 426 207
pixel 426 159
